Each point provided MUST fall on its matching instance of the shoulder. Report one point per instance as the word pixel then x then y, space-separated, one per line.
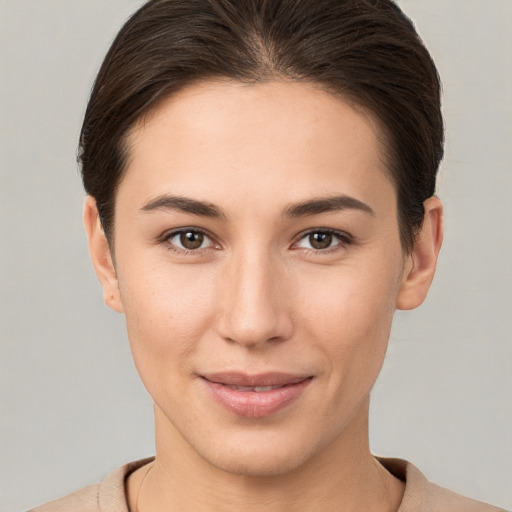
pixel 106 496
pixel 85 500
pixel 424 496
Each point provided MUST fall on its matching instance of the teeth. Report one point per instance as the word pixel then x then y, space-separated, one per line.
pixel 264 388
pixel 257 389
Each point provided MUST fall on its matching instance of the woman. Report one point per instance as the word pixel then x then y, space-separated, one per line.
pixel 260 179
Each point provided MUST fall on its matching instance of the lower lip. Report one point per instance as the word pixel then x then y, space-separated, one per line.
pixel 256 404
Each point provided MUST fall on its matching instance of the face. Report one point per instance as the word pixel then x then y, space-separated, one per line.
pixel 258 263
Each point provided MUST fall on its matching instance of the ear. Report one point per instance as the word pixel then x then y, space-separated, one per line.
pixel 101 256
pixel 420 264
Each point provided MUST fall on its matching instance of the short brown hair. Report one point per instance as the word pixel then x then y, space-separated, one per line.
pixel 366 50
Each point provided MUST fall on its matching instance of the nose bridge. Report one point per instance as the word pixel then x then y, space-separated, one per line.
pixel 253 312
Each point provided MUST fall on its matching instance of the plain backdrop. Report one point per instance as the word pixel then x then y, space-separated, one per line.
pixel 72 407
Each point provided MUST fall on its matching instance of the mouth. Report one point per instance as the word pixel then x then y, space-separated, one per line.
pixel 255 396
pixel 255 389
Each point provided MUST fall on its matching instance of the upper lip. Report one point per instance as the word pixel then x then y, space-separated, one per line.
pixel 255 380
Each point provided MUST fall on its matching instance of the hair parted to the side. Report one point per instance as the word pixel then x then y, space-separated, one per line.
pixel 365 50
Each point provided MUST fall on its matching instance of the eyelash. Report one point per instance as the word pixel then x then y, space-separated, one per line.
pixel 169 235
pixel 344 240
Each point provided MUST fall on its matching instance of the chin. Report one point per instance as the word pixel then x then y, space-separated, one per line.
pixel 258 465
pixel 264 457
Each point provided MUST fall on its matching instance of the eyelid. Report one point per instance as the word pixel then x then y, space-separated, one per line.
pixel 344 238
pixel 166 236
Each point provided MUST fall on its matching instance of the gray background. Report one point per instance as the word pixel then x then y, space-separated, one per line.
pixel 72 408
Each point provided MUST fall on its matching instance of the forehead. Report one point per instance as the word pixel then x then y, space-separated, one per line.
pixel 255 138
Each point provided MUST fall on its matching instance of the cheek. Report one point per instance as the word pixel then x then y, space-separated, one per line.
pixel 350 316
pixel 167 313
pixel 350 301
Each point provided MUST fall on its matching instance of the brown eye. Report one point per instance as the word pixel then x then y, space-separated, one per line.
pixel 191 239
pixel 324 239
pixel 320 240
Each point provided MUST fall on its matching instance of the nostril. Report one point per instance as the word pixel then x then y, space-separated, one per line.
pixel 251 307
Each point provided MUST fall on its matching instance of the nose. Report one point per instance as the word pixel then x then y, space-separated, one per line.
pixel 254 309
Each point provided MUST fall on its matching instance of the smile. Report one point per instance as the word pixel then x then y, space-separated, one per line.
pixel 256 396
pixel 257 389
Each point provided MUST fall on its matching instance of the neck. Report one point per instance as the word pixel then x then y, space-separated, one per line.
pixel 343 477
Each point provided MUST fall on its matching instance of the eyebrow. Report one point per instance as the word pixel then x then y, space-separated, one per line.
pixel 184 204
pixel 304 209
pixel 327 204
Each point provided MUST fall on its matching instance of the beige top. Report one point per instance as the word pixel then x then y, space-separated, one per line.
pixel 420 495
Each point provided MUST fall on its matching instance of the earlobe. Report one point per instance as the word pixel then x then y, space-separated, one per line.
pixel 101 256
pixel 421 263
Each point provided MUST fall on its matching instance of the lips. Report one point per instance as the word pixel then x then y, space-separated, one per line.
pixel 255 396
pixel 257 389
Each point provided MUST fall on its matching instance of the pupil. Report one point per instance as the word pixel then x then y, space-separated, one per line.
pixel 320 240
pixel 191 240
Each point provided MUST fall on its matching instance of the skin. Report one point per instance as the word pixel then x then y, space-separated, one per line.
pixel 257 296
